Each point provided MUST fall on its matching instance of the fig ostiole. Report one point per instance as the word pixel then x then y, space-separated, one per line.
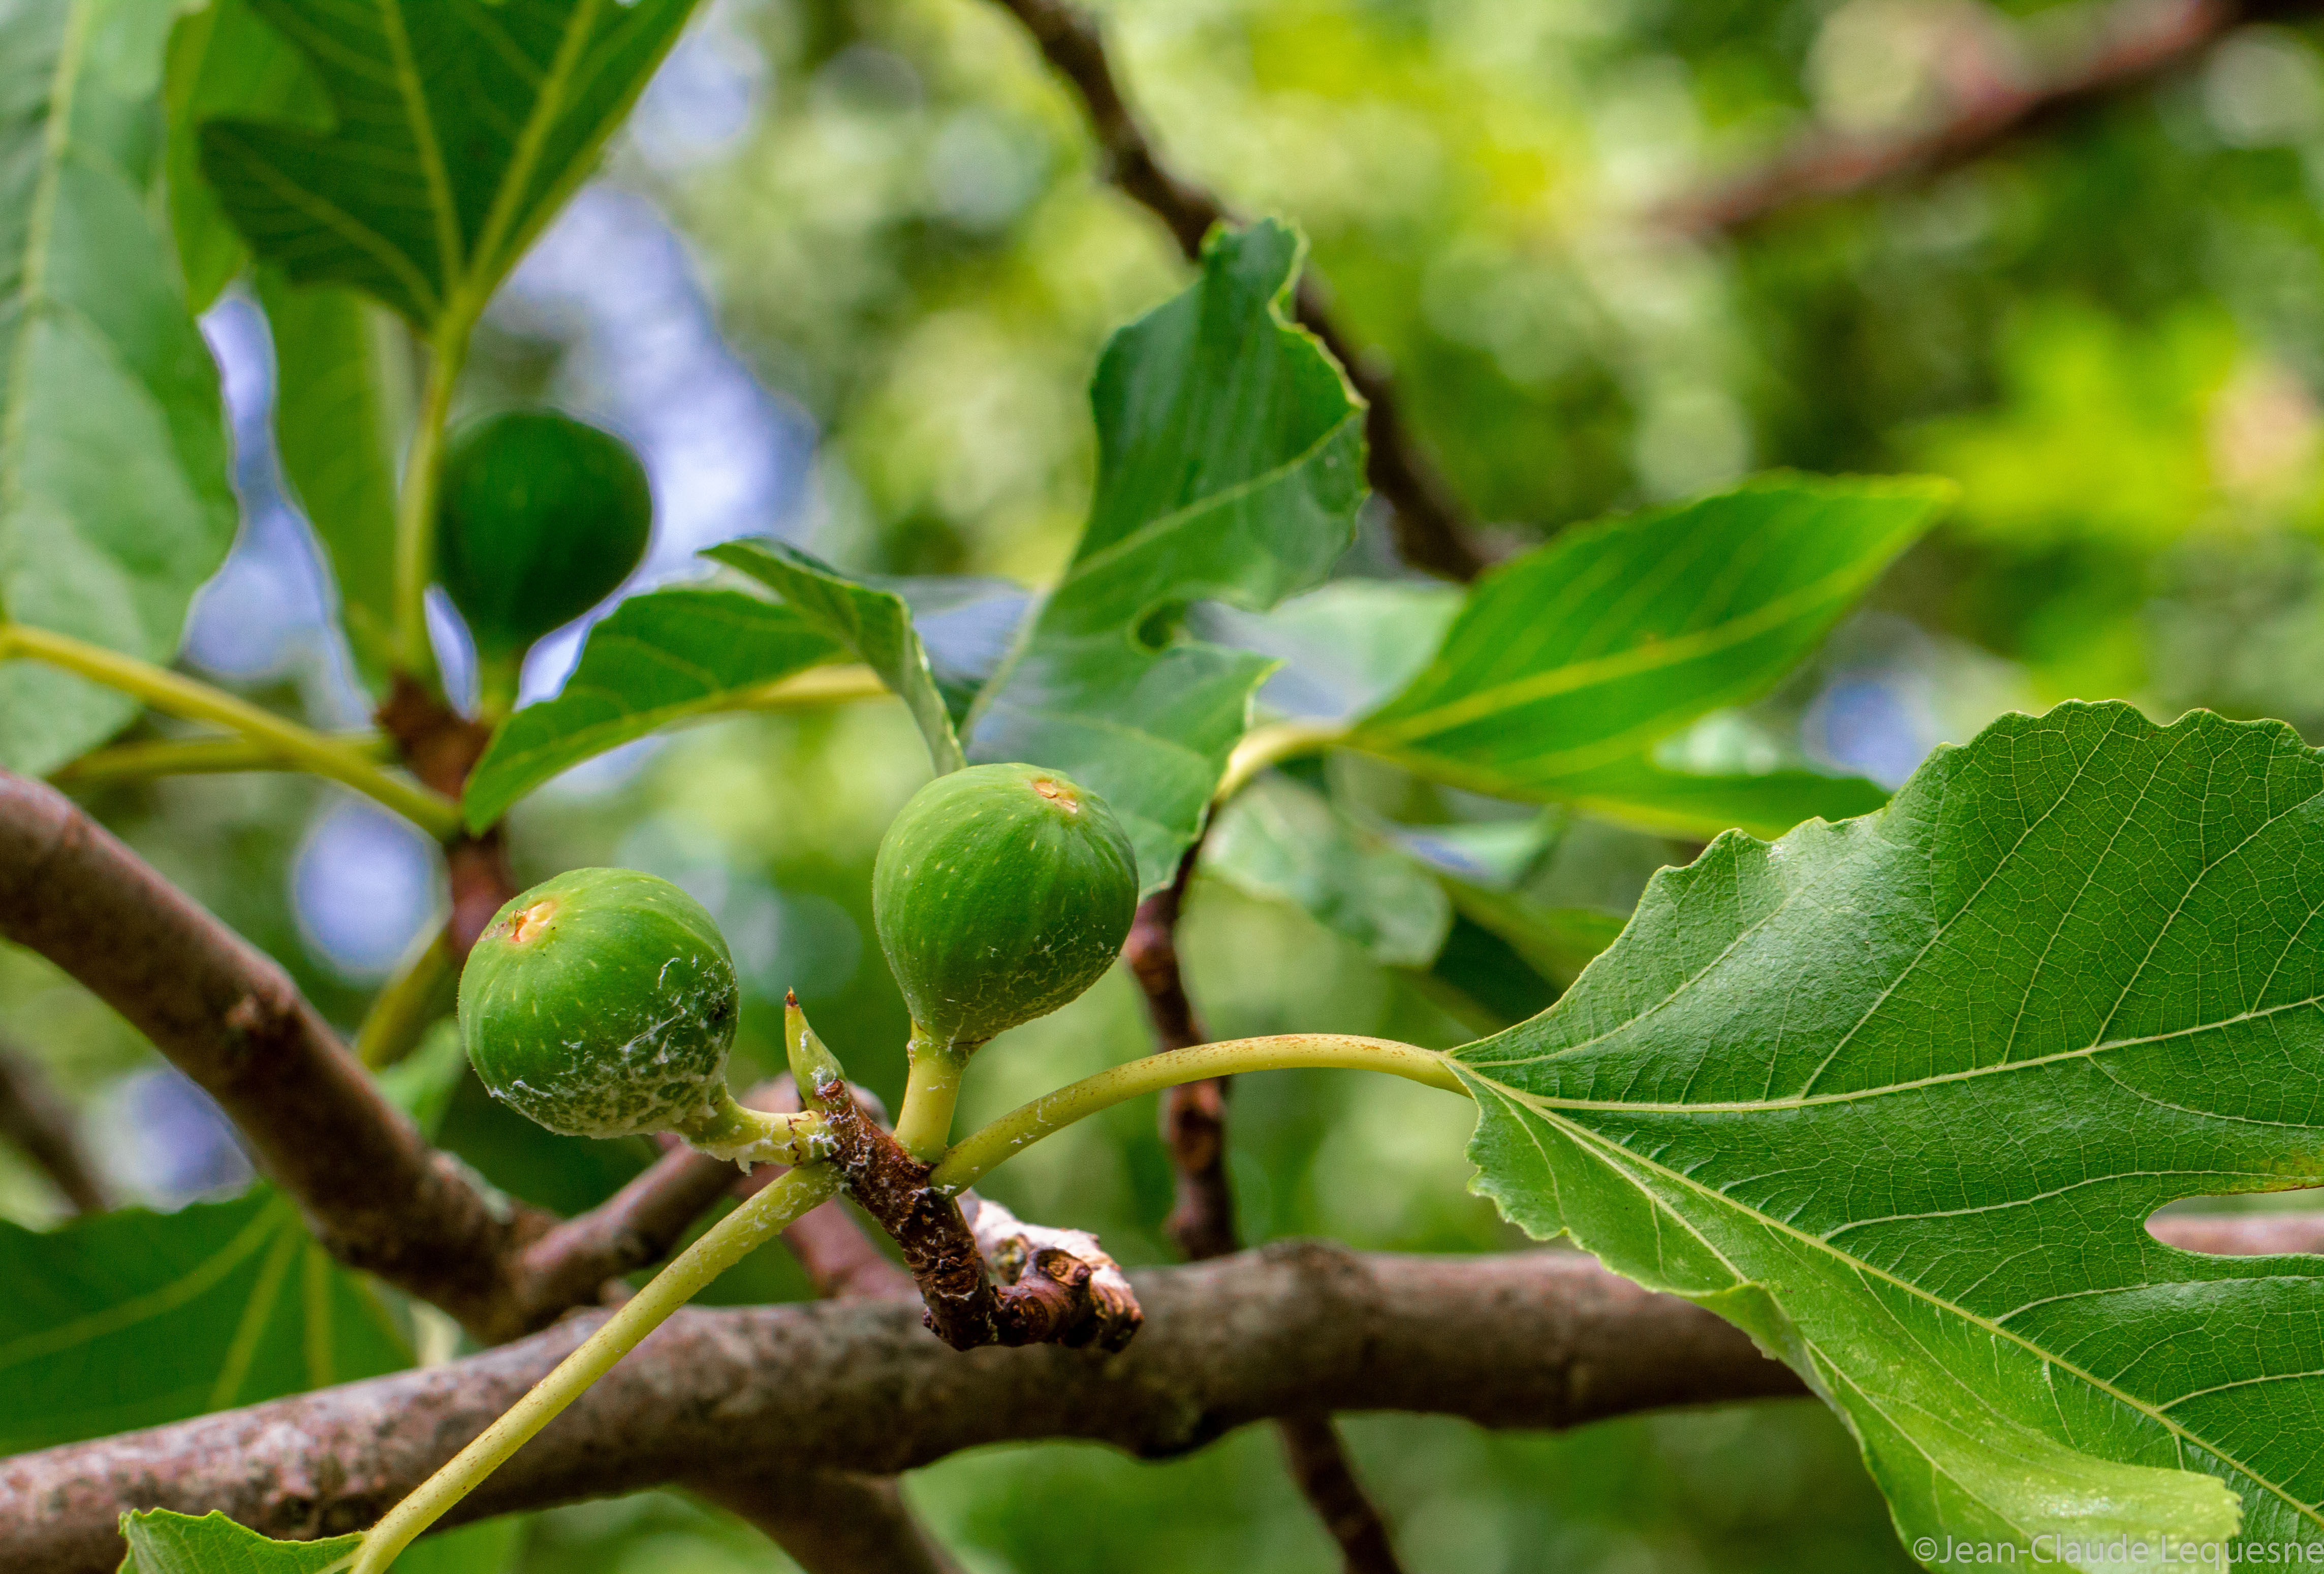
pixel 602 1003
pixel 1000 892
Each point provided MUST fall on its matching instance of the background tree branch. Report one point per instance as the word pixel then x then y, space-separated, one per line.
pixel 1432 530
pixel 37 1122
pixel 2123 47
pixel 1537 1338
pixel 1203 1221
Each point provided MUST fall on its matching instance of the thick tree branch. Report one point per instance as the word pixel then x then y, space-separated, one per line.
pixel 33 1118
pixel 1527 1339
pixel 830 1521
pixel 1203 1220
pixel 1431 530
pixel 373 1191
pixel 2127 47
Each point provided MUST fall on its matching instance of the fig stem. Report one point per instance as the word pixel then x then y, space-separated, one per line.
pixel 931 1089
pixel 978 1154
pixel 732 1238
pixel 195 701
pixel 499 674
pixel 738 1135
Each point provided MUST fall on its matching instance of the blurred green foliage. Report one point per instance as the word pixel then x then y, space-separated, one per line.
pixel 2111 335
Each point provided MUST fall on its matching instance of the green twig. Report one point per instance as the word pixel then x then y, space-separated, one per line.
pixel 971 1159
pixel 195 701
pixel 136 762
pixel 732 1238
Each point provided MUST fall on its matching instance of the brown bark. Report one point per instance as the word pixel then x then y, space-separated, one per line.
pixel 833 1522
pixel 1431 530
pixel 441 747
pixel 33 1118
pixel 2132 44
pixel 1051 1300
pixel 1326 1478
pixel 372 1191
pixel 1203 1221
pixel 1538 1338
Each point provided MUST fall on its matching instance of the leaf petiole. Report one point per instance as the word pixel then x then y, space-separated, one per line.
pixel 1271 744
pixel 728 1242
pixel 415 504
pixel 195 701
pixel 969 1160
pixel 136 763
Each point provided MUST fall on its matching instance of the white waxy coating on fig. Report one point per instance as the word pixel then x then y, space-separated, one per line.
pixel 602 1003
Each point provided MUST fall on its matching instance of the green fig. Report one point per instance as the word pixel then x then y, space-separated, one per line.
pixel 1000 892
pixel 602 1003
pixel 541 517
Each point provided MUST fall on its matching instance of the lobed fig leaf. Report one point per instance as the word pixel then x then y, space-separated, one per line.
pixel 1000 893
pixel 602 1003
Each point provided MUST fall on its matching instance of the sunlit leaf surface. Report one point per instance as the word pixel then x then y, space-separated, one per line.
pixel 1899 1096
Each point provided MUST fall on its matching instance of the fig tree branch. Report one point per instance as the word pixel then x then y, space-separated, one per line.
pixel 39 1125
pixel 1527 1339
pixel 2125 46
pixel 1432 529
pixel 830 1521
pixel 372 1191
pixel 1203 1221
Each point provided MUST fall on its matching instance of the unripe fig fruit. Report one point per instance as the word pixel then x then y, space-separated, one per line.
pixel 602 1004
pixel 1000 893
pixel 541 518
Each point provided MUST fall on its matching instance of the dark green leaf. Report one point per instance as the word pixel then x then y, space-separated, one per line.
pixel 1899 1096
pixel 1581 655
pixel 113 501
pixel 875 624
pixel 133 1319
pixel 1480 978
pixel 225 62
pixel 162 1543
pixel 461 126
pixel 1229 467
pixel 1670 803
pixel 1556 943
pixel 659 658
pixel 1281 841
pixel 338 409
